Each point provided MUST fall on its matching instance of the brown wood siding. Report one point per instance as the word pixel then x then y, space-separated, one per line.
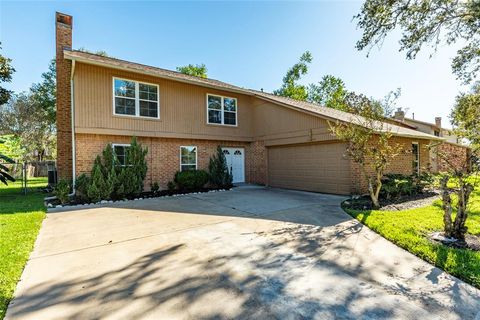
pixel 183 112
pixel 310 167
pixel 271 119
pixel 182 108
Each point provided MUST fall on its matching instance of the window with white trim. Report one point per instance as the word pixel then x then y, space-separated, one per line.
pixel 133 98
pixel 416 158
pixel 120 151
pixel 221 110
pixel 188 158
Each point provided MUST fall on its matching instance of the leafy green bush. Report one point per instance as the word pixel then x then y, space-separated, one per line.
pixel 218 170
pixel 171 186
pixel 62 190
pixel 398 185
pixel 154 187
pixel 191 180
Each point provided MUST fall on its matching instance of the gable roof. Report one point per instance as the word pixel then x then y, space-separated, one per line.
pixel 312 108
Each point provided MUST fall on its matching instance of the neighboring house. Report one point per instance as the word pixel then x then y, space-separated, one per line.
pixel 452 146
pixel 267 139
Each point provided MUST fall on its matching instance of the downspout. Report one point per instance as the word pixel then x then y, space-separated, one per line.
pixel 72 116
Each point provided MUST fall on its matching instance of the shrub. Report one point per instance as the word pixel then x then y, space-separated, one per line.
pixel 62 190
pixel 98 188
pixel 191 180
pixel 154 187
pixel 171 186
pixel 81 187
pixel 129 179
pixel 218 170
pixel 109 180
pixel 397 185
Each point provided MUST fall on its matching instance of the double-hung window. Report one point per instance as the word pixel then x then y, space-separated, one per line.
pixel 133 98
pixel 188 158
pixel 120 151
pixel 221 110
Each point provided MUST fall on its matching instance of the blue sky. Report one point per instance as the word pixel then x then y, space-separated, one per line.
pixel 250 44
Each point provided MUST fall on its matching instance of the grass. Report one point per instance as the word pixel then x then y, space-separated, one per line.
pixel 20 219
pixel 409 229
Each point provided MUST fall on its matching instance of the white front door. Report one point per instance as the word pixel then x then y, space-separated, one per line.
pixel 236 163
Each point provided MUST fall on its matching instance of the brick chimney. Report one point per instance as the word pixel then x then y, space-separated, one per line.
pixel 63 32
pixel 399 114
pixel 438 121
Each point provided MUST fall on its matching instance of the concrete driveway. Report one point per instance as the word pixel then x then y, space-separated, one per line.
pixel 249 253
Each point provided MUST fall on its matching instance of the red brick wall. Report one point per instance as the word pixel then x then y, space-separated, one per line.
pixel 64 68
pixel 163 156
pixel 402 164
pixel 457 157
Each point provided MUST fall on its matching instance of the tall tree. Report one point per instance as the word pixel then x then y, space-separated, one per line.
pixel 329 92
pixel 290 87
pixel 26 120
pixel 197 70
pixel 465 116
pixel 44 93
pixel 422 23
pixel 6 71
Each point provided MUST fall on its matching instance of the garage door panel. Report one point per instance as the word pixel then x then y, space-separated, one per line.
pixel 313 167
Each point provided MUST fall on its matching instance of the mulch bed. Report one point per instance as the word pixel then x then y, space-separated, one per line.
pixel 396 204
pixel 144 195
pixel 471 242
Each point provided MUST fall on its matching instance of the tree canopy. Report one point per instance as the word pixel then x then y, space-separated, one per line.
pixel 44 93
pixel 197 70
pixel 329 92
pixel 431 23
pixel 6 71
pixel 465 116
pixel 290 86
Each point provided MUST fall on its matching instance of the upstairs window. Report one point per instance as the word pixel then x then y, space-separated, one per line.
pixel 221 110
pixel 134 98
pixel 188 158
pixel 120 151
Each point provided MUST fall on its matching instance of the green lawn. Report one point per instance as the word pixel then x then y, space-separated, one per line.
pixel 409 229
pixel 20 219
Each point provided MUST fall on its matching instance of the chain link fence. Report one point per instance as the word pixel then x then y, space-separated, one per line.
pixel 32 175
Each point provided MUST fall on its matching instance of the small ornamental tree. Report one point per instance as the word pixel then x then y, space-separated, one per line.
pixel 456 180
pixel 220 176
pixel 136 166
pixel 110 180
pixel 369 142
pixel 97 189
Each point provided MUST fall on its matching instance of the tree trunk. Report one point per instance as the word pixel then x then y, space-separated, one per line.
pixel 459 228
pixel 447 208
pixel 373 194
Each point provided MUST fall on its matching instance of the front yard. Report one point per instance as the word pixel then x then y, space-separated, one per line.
pixel 409 229
pixel 20 219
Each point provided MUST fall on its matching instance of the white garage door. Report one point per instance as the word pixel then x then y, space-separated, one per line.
pixel 312 167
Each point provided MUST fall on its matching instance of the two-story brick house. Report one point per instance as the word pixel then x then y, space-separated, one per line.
pixel 267 139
